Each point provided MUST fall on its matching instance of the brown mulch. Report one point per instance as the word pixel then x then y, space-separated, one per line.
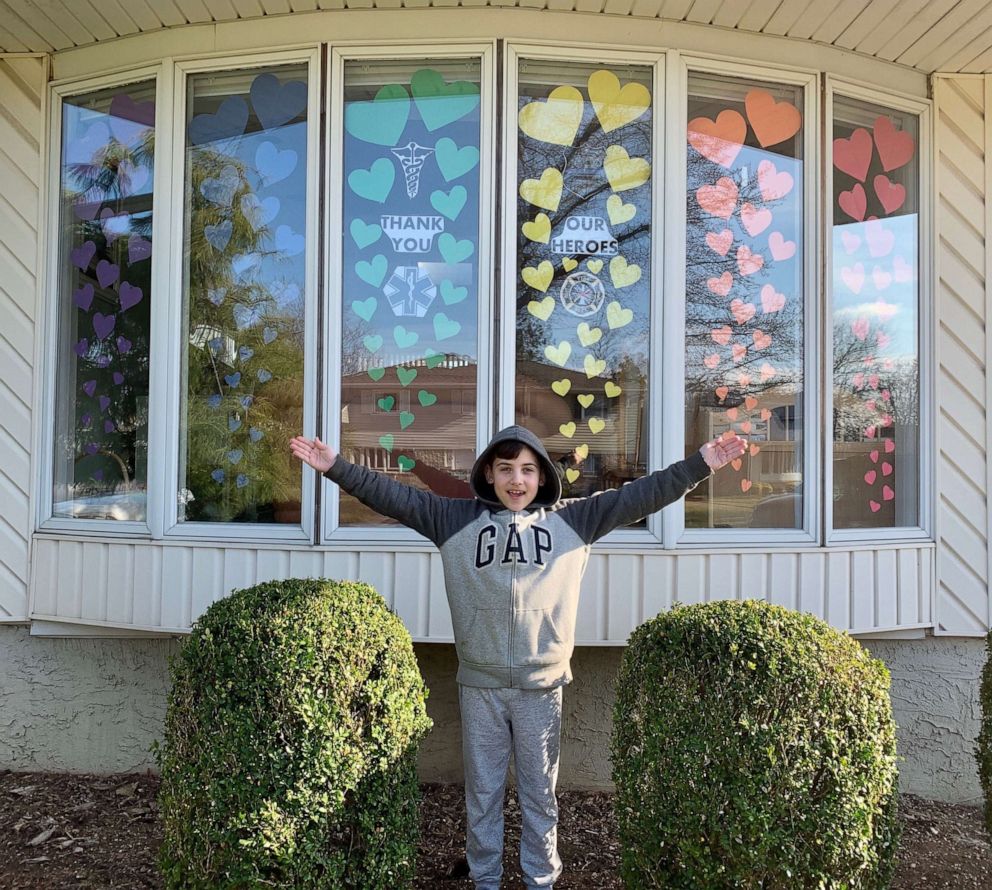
pixel 62 830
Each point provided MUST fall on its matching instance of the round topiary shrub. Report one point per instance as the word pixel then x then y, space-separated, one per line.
pixel 289 757
pixel 753 747
pixel 983 750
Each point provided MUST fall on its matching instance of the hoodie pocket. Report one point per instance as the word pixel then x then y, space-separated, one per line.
pixel 536 638
pixel 486 637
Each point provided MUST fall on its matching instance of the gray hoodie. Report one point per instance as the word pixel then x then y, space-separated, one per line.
pixel 513 578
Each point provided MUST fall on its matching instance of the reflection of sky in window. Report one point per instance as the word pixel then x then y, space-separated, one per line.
pixel 887 299
pixel 361 155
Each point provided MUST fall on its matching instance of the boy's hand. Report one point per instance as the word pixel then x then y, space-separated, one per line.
pixel 722 451
pixel 313 452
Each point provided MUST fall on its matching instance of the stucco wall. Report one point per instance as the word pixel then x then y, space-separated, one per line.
pixel 96 706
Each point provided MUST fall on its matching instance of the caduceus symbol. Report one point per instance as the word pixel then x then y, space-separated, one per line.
pixel 412 157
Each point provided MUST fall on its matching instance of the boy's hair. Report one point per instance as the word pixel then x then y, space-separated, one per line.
pixel 509 450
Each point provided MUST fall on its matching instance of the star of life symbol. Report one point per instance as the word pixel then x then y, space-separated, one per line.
pixel 582 294
pixel 410 291
pixel 412 157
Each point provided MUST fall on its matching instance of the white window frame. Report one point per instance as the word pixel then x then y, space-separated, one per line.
pixel 674 345
pixel 50 315
pixel 584 54
pixel 169 335
pixel 331 531
pixel 926 290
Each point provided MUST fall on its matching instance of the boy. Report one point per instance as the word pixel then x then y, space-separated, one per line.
pixel 513 561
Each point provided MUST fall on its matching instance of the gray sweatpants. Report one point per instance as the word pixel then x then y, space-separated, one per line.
pixel 529 720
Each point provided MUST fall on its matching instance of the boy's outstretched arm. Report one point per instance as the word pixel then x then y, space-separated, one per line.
pixel 420 510
pixel 600 513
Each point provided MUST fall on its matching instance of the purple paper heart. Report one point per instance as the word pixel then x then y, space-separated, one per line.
pixel 82 347
pixel 86 419
pixel 92 447
pixel 109 426
pixel 131 179
pixel 104 403
pixel 103 325
pixel 138 249
pixel 229 120
pixel 276 104
pixel 115 225
pixel 89 387
pixel 123 345
pixel 233 380
pixel 129 118
pixel 107 273
pixel 218 235
pixel 217 475
pixel 102 360
pixel 81 256
pixel 241 481
pixel 118 378
pixel 86 209
pixel 130 295
pixel 83 297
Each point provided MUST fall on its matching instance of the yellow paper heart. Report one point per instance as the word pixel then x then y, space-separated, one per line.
pixel 594 266
pixel 541 309
pixel 596 425
pixel 586 400
pixel 559 354
pixel 618 211
pixel 617 316
pixel 571 475
pixel 555 121
pixel 587 335
pixel 567 263
pixel 623 275
pixel 615 106
pixel 594 366
pixel 562 386
pixel 612 390
pixel 540 278
pixel 623 171
pixel 539 230
pixel 544 192
pixel 582 451
pixel 567 429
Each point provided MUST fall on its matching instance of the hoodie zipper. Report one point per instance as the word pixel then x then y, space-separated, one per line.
pixel 513 599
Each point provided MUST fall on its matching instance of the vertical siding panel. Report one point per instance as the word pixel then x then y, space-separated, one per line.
pixel 926 558
pixel 690 578
pixel 439 615
pixel 341 565
pixel 93 592
pixel 69 571
pixel 412 596
pixel 862 590
pixel 376 568
pixel 120 583
pixel 146 582
pixel 208 575
pixel 908 569
pixel 754 576
pixel 812 595
pixel 659 584
pixel 305 564
pixel 722 575
pixel 44 580
pixel 271 565
pixel 887 583
pixel 782 579
pixel 176 567
pixel 590 624
pixel 622 591
pixel 838 587
pixel 239 570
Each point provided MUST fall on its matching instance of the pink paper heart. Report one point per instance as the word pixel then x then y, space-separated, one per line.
pixel 712 360
pixel 886 468
pixel 887 493
pixel 748 262
pixel 870 477
pixel 721 286
pixel 859 327
pixel 891 194
pixel 755 220
pixel 720 199
pixel 780 248
pixel 738 351
pixel 890 446
pixel 761 339
pixel 880 239
pixel 721 335
pixel 854 202
pixel 773 185
pixel 875 506
pixel 771 300
pixel 767 372
pixel 742 312
pixel 719 242
pixel 881 278
pixel 873 455
pixel 851 242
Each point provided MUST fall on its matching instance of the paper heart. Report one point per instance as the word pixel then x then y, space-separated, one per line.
pixel 586 400
pixel 780 248
pixel 572 474
pixel 617 316
pixel 275 164
pixel 771 183
pixel 452 249
pixel 544 192
pixel 616 106
pixel 406 376
pixel 539 278
pixel 737 352
pixel 718 199
pixel 712 360
pixel 275 103
pixel 405 463
pixel 721 286
pixel 103 325
pixel 220 189
pixel 264 375
pixel 765 414
pixel 890 446
pixel 753 449
pixel 623 274
pixel 887 493
pixel 555 120
pixel 721 335
pixel 870 432
pixel 594 266
pixel 771 300
pixel 761 339
pixel 895 147
pixel 81 256
pixel 228 121
pixel 875 506
pixel 881 278
pixel 450 204
pixel 745 485
pixel 853 277
pixel 426 398
pixel 853 155
pixel 742 312
pixel 612 390
pixel 129 295
pixel 722 392
pixel 750 403
pixel 539 230
pixel 743 379
pixel 376 373
pixel 432 359
pixel 561 387
pixel 567 429
pixel 374 183
pixel 721 140
pixel 582 451
pixel 405 339
pixel 382 120
pixel 114 225
pixel 737 463
pixel 873 381
pixel 453 161
pixel 873 455
pixel 594 366
pixel 441 103
pixel 746 426
pixel 386 403
pixel 773 122
pixel 732 414
pixel 541 309
pixel 851 242
pixel 755 220
pixel 859 327
pixel 559 354
pixel 748 262
pixel 569 263
pixel 444 327
pixel 372 342
pixel 107 273
pixel 619 212
pixel 588 336
pixel 719 242
pixel 854 202
pixel 81 347
pixel 218 236
pixel 891 194
pixel 624 172
pixel 870 477
pixel 83 297
pixel 886 468
pixel 406 418
pixel 387 441
pixel 595 425
pixel 880 239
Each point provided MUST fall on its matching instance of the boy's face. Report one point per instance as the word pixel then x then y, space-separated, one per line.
pixel 516 481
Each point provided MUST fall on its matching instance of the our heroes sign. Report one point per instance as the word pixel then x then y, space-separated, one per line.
pixel 589 235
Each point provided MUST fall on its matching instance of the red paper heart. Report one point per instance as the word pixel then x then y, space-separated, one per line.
pixel 895 147
pixel 719 199
pixel 721 286
pixel 720 140
pixel 719 242
pixel 891 194
pixel 773 122
pixel 721 335
pixel 742 312
pixel 854 203
pixel 853 155
pixel 761 339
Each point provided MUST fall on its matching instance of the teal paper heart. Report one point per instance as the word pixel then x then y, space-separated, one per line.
pixel 450 204
pixel 364 233
pixel 404 338
pixel 441 103
pixel 376 373
pixel 386 441
pixel 365 309
pixel 405 463
pixel 372 342
pixel 372 272
pixel 453 250
pixel 426 398
pixel 373 184
pixel 382 120
pixel 433 358
pixel 445 327
pixel 386 403
pixel 406 418
pixel 406 376
pixel 453 161
pixel 451 294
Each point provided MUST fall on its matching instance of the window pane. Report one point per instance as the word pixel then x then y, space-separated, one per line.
pixel 101 436
pixel 410 274
pixel 875 316
pixel 245 265
pixel 744 298
pixel 584 244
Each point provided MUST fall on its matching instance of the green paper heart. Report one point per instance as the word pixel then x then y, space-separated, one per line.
pixel 449 204
pixel 372 272
pixel 404 338
pixel 426 398
pixel 364 233
pixel 386 441
pixel 406 376
pixel 386 403
pixel 451 294
pixel 382 120
pixel 441 103
pixel 373 184
pixel 453 161
pixel 453 250
pixel 433 358
pixel 406 418
pixel 372 342
pixel 365 308
pixel 376 373
pixel 445 327
pixel 405 463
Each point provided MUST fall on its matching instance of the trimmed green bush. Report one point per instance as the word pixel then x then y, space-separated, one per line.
pixel 753 747
pixel 289 757
pixel 983 750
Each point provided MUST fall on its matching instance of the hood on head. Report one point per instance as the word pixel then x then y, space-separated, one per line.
pixel 547 494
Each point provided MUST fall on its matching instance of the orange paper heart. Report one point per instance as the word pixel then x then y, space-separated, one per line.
pixel 718 141
pixel 773 122
pixel 753 449
pixel 721 335
pixel 745 485
pixel 720 286
pixel 750 402
pixel 761 339
pixel 737 463
pixel 719 242
pixel 719 199
pixel 721 392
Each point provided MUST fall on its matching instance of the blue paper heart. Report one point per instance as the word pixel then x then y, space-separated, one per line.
pixel 274 164
pixel 233 424
pixel 268 335
pixel 263 375
pixel 373 184
pixel 233 380
pixel 372 272
pixel 246 401
pixel 220 189
pixel 217 475
pixel 364 233
pixel 235 455
pixel 245 353
pixel 452 250
pixel 259 213
pixel 228 121
pixel 254 433
pixel 288 242
pixel 242 480
pixel 449 204
pixel 276 104
pixel 214 400
pixel 218 235
pixel 216 295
